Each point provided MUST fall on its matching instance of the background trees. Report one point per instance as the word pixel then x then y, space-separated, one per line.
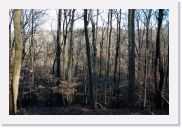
pixel 101 59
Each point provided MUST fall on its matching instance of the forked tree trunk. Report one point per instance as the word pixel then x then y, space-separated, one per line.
pixel 65 33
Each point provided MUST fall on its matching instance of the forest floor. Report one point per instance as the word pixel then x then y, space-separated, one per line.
pixel 47 98
pixel 85 110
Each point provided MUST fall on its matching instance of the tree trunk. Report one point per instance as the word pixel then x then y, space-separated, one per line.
pixel 58 50
pixel 32 56
pixel 70 52
pixel 159 64
pixel 101 52
pixel 115 88
pixel 65 33
pixel 109 45
pixel 94 57
pixel 88 59
pixel 131 59
pixel 106 77
pixel 139 48
pixel 146 58
pixel 17 59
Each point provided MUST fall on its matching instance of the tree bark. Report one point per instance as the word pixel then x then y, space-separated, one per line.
pixel 115 88
pixel 65 33
pixel 58 50
pixel 94 57
pixel 32 54
pixel 159 63
pixel 17 59
pixel 88 59
pixel 70 52
pixel 131 57
pixel 109 46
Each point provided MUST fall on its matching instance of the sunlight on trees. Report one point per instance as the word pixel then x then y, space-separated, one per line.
pixel 89 61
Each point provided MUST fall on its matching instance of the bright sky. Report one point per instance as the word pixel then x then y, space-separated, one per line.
pixel 52 19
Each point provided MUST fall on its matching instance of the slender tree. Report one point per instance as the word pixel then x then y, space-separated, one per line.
pixel 131 56
pixel 58 50
pixel 109 46
pixel 70 52
pixel 94 56
pixel 116 89
pixel 32 53
pixel 146 56
pixel 101 52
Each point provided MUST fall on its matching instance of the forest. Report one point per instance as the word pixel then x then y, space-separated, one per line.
pixel 89 62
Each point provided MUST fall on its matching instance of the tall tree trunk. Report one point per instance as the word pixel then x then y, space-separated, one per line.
pixel 94 57
pixel 139 48
pixel 159 63
pixel 23 37
pixel 32 55
pixel 58 50
pixel 109 46
pixel 65 33
pixel 58 46
pixel 101 52
pixel 146 57
pixel 131 59
pixel 106 77
pixel 88 59
pixel 115 88
pixel 17 59
pixel 70 52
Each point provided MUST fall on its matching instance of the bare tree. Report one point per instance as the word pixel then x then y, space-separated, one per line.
pixel 70 51
pixel 32 54
pixel 65 34
pixel 92 100
pixel 17 59
pixel 159 62
pixel 109 45
pixel 147 16
pixel 131 56
pixel 58 46
pixel 94 56
pixel 116 88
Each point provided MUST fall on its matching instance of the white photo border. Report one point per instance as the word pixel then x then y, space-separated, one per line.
pixel 171 119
